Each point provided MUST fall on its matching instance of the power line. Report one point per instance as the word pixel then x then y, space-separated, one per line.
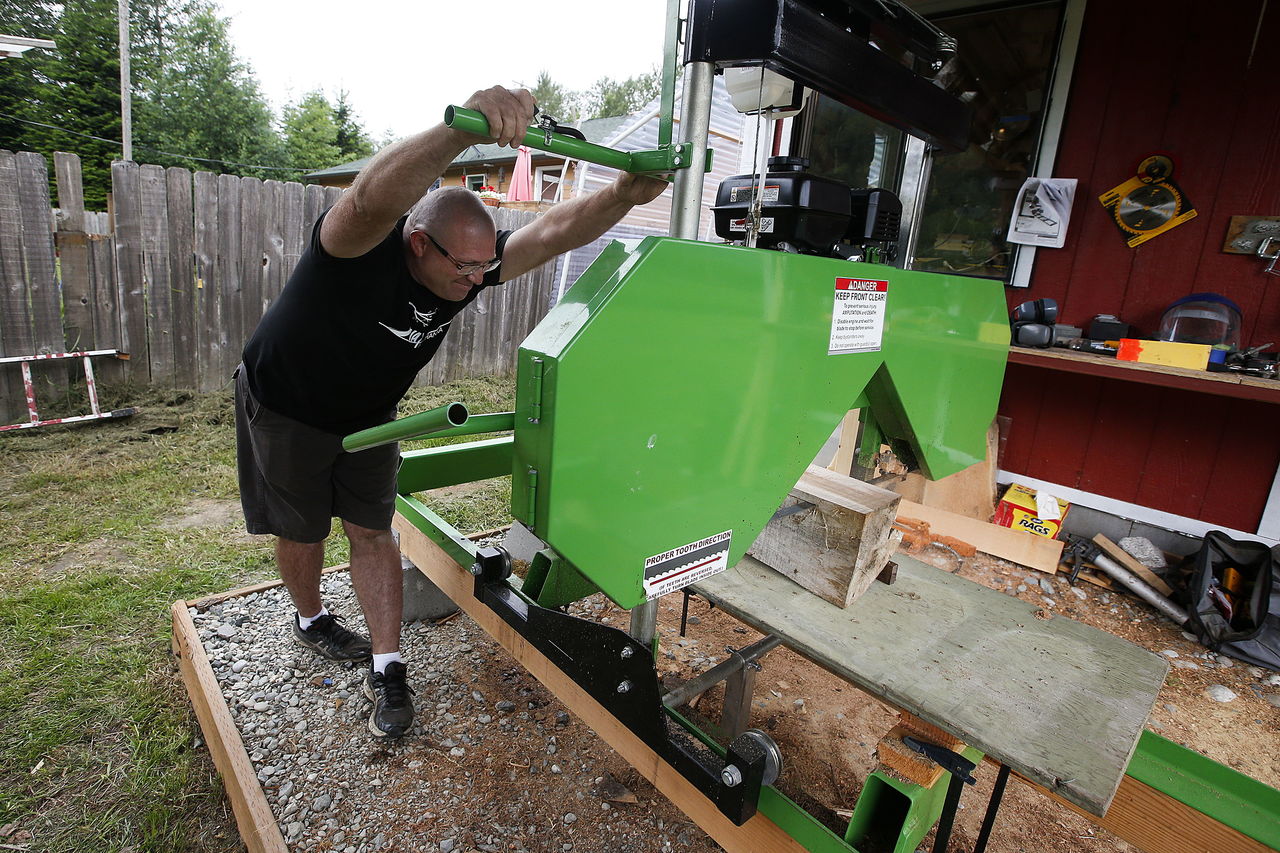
pixel 155 150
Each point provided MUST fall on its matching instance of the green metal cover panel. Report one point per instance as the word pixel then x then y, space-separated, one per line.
pixel 680 388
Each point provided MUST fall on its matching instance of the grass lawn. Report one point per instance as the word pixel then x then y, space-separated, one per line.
pixel 104 525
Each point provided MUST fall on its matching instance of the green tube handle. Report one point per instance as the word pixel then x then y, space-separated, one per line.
pixel 474 122
pixel 448 416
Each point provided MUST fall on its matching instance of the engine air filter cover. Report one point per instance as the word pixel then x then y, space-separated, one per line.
pixel 808 211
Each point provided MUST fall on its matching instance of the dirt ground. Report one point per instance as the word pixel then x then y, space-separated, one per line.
pixel 826 729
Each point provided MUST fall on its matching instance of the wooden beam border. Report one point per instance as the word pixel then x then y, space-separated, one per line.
pixel 1155 822
pixel 258 827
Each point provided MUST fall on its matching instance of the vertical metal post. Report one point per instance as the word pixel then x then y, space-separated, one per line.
pixel 669 50
pixel 644 622
pixel 126 100
pixel 914 186
pixel 30 387
pixel 695 124
pixel 92 385
pixel 738 690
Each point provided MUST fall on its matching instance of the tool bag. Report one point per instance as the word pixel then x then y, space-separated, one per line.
pixel 1233 598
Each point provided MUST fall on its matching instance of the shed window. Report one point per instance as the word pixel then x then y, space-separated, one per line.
pixel 957 206
pixel 546 182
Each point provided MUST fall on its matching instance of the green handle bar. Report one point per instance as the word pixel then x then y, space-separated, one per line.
pixel 444 417
pixel 660 160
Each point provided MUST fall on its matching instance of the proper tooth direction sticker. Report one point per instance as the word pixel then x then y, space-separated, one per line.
pixel 857 317
pixel 679 567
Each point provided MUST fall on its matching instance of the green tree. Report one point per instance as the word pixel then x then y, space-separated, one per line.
pixel 78 94
pixel 21 82
pixel 310 132
pixel 352 140
pixel 195 97
pixel 554 99
pixel 609 97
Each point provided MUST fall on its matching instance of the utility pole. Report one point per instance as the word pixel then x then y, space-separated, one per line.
pixel 126 99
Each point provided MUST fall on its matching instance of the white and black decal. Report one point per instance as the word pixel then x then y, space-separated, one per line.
pixel 679 567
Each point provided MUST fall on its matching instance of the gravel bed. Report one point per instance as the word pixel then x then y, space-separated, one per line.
pixel 493 763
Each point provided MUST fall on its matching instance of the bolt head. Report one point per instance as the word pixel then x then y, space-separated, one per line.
pixel 731 776
pixel 624 687
pixel 627 652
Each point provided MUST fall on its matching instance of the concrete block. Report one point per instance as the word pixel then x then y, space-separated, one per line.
pixel 521 544
pixel 423 600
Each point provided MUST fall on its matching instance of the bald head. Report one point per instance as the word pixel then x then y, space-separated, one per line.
pixel 444 210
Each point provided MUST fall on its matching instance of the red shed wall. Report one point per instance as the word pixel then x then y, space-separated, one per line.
pixel 1185 79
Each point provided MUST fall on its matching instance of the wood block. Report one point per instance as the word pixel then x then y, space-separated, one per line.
pixel 929 732
pixel 837 546
pixel 1097 579
pixel 905 761
pixel 257 824
pixel 1125 559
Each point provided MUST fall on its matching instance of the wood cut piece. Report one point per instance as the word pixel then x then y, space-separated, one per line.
pixel 895 755
pixel 1026 549
pixel 838 540
pixel 1123 557
pixel 971 492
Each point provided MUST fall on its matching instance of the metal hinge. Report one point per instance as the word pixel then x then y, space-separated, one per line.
pixel 535 391
pixel 531 514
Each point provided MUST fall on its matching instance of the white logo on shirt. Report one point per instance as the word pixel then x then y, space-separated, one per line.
pixel 415 336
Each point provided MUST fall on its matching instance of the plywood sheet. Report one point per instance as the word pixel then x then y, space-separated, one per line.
pixel 1061 703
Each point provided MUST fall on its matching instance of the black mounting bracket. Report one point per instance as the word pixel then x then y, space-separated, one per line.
pixel 618 672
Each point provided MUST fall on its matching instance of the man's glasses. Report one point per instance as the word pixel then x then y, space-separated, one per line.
pixel 465 269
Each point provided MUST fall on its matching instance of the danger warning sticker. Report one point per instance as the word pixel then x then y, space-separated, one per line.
pixel 679 567
pixel 857 318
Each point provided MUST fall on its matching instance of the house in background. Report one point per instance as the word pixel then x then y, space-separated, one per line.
pixel 491 165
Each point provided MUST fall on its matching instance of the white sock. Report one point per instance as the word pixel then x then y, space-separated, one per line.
pixel 380 661
pixel 304 622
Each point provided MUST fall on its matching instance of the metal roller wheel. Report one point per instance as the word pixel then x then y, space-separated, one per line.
pixel 492 564
pixel 772 755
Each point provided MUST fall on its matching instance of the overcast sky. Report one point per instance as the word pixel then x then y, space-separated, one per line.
pixel 402 62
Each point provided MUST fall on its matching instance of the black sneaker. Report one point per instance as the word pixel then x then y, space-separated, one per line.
pixel 392 708
pixel 329 639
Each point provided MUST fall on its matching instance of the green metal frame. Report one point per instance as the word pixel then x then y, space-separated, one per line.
pixel 1226 795
pixel 437 467
pixel 450 416
pixel 679 389
pixel 895 815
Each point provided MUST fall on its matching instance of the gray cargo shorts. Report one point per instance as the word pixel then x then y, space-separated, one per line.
pixel 295 478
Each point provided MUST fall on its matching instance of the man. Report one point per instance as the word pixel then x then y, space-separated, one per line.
pixel 370 301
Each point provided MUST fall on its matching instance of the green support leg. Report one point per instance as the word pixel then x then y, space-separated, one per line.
pixel 895 815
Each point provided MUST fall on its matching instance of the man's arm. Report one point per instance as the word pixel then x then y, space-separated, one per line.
pixel 400 174
pixel 575 223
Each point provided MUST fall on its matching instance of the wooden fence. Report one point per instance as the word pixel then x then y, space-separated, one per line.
pixel 179 273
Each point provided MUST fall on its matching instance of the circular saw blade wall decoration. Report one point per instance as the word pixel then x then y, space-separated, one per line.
pixel 1149 203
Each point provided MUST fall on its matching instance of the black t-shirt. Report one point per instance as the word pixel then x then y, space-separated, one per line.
pixel 346 337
